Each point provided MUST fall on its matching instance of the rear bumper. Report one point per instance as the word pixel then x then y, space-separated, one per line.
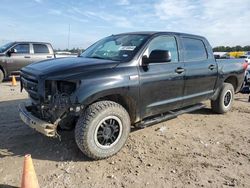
pixel 39 125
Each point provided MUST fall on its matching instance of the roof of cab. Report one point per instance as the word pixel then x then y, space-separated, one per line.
pixel 161 32
pixel 32 42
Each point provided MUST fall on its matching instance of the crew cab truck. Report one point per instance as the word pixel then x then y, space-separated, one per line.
pixel 131 79
pixel 15 55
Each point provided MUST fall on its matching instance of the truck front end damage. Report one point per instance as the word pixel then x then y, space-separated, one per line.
pixel 52 103
pixel 39 125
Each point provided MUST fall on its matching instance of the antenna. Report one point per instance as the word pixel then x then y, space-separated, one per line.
pixel 68 36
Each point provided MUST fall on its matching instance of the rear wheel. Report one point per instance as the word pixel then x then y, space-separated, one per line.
pixel 224 101
pixel 102 130
pixel 1 76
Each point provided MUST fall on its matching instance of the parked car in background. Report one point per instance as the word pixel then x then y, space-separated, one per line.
pixel 60 54
pixel 247 59
pixel 246 85
pixel 217 56
pixel 225 56
pixel 248 77
pixel 15 55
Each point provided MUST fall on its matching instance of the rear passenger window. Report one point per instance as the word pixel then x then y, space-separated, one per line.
pixel 22 48
pixel 40 48
pixel 194 49
pixel 164 43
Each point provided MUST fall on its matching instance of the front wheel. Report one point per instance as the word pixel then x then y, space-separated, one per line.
pixel 102 130
pixel 224 101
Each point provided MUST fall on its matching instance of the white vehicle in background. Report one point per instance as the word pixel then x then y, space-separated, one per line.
pixel 60 54
pixel 248 60
pixel 248 75
pixel 246 84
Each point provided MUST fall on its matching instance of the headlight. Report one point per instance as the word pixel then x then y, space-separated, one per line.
pixel 66 87
pixel 53 88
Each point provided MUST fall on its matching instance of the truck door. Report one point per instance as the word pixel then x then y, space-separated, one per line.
pixel 19 57
pixel 41 52
pixel 161 84
pixel 200 70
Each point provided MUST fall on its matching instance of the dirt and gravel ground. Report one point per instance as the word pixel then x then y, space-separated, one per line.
pixel 199 149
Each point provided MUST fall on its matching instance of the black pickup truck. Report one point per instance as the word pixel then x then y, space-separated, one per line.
pixel 131 79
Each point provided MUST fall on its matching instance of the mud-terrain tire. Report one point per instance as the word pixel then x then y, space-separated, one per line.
pixel 1 76
pixel 224 101
pixel 102 129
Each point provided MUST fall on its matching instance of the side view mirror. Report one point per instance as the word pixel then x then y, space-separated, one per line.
pixel 158 56
pixel 11 51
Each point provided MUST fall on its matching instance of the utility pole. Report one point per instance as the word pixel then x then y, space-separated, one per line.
pixel 68 36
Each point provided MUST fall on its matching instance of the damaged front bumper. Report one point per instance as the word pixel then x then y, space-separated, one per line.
pixel 48 129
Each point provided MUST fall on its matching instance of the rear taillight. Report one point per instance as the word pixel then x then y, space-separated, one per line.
pixel 245 65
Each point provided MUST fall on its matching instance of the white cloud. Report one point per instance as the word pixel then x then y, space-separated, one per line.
pixel 117 20
pixel 38 1
pixel 68 14
pixel 167 10
pixel 223 22
pixel 76 18
pixel 123 2
pixel 55 12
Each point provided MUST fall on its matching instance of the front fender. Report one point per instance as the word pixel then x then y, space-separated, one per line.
pixel 118 81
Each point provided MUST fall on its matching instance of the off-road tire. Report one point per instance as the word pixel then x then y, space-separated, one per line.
pixel 220 105
pixel 87 127
pixel 1 76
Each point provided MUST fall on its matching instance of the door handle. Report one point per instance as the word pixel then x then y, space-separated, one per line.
pixel 49 56
pixel 179 70
pixel 26 56
pixel 211 67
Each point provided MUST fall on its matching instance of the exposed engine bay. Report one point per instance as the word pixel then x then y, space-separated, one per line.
pixel 54 103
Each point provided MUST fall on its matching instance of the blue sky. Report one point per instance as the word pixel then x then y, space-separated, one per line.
pixel 223 22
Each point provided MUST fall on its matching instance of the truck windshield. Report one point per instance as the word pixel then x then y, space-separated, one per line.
pixel 5 47
pixel 116 47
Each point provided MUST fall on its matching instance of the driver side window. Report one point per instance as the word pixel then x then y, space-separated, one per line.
pixel 22 49
pixel 164 43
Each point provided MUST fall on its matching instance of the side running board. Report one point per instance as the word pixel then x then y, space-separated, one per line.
pixel 168 115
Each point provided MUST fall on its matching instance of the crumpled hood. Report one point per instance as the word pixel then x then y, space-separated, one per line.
pixel 68 66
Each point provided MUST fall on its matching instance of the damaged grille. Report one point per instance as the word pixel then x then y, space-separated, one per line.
pixel 30 84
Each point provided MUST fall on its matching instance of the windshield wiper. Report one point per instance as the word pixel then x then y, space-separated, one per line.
pixel 97 57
